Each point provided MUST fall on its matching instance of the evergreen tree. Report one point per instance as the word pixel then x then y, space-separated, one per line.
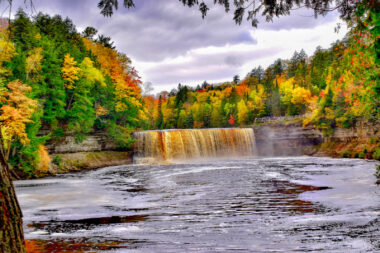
pixel 236 79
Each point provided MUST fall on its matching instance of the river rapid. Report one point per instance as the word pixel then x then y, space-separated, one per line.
pixel 295 204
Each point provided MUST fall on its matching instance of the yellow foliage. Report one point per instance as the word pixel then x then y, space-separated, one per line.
pixel 257 98
pixel 100 110
pixel 328 79
pixel 124 78
pixel 15 113
pixel 286 90
pixel 70 71
pixel 166 112
pixel 90 73
pixel 329 113
pixel 123 93
pixel 242 112
pixel 142 116
pixel 202 97
pixel 7 48
pixel 216 117
pixel 44 159
pixel 196 110
pixel 33 61
pixel 7 51
pixel 5 137
pixel 300 96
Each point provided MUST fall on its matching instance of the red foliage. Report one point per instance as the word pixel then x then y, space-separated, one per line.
pixel 231 120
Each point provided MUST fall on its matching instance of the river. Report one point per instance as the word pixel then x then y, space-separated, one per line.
pixel 288 204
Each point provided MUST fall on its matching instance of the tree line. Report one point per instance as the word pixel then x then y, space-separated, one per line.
pixel 333 87
pixel 56 81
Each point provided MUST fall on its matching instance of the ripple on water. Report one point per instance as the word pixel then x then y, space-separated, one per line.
pixel 257 205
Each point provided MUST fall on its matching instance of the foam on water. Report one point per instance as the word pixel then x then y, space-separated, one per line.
pixel 244 205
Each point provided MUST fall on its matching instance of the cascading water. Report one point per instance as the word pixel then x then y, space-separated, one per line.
pixel 162 145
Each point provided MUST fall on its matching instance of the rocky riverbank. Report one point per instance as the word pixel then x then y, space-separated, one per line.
pixel 70 155
pixel 360 141
pixel 279 138
pixel 286 138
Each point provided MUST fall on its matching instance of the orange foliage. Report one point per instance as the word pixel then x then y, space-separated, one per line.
pixel 44 163
pixel 15 112
pixel 117 66
pixel 197 124
pixel 227 92
pixel 280 78
pixel 242 89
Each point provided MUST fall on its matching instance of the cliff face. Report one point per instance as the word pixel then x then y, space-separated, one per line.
pixel 289 139
pixel 95 151
pixel 360 141
pixel 272 139
pixel 362 130
pixel 286 139
pixel 92 143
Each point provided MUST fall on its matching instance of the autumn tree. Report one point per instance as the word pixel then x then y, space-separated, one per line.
pixel 15 110
pixel 242 113
pixel 7 51
pixel 70 72
pixel 33 62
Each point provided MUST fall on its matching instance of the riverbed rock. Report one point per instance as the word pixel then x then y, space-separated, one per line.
pixel 79 161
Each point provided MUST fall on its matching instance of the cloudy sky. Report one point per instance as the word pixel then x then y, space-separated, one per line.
pixel 170 44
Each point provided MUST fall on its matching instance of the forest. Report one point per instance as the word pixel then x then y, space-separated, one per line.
pixel 57 81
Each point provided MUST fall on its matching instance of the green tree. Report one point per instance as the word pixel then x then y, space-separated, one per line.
pixel 89 32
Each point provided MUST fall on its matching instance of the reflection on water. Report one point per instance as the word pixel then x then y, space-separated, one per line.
pixel 72 245
pixel 260 205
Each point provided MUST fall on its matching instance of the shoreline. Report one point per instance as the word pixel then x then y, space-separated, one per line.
pixel 281 138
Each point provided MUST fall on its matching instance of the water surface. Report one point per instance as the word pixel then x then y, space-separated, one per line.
pixel 258 205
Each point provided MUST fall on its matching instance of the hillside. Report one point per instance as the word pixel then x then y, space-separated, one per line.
pixel 57 83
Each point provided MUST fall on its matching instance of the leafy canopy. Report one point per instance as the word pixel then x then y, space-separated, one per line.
pixel 250 9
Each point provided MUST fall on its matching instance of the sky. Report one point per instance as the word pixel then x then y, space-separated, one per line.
pixel 169 43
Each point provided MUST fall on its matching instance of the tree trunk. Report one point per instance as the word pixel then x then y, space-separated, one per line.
pixel 11 232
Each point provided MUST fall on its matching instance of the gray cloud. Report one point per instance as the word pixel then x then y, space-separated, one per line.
pixel 156 31
pixel 159 30
pixel 204 66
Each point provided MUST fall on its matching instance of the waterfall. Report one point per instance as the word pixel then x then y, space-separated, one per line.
pixel 164 145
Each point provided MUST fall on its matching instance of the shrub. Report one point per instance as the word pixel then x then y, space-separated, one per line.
pixel 44 159
pixel 377 173
pixel 376 154
pixel 57 160
pixel 347 154
pixel 58 133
